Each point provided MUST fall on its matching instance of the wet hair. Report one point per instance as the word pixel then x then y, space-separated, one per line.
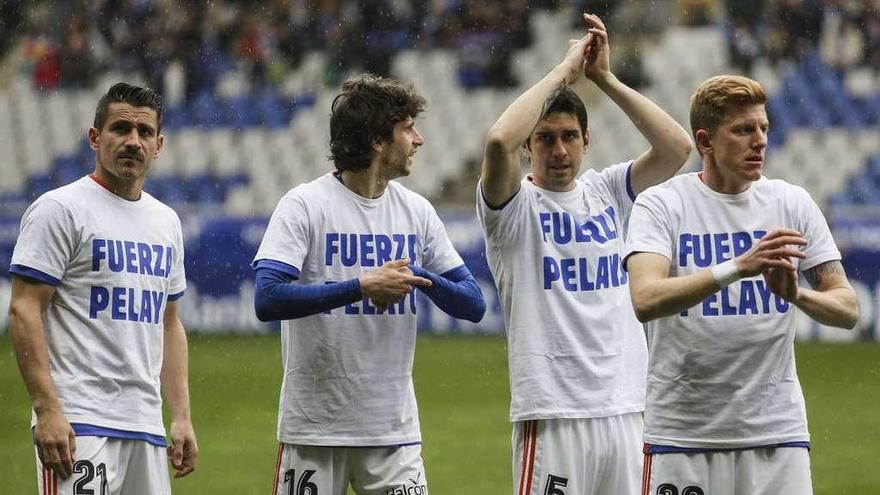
pixel 366 112
pixel 135 96
pixel 564 101
pixel 716 96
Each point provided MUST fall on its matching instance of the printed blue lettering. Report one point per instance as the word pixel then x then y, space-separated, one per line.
pixel 759 234
pixel 781 305
pixel 147 307
pixel 351 309
pixel 331 240
pixel 144 261
pixel 602 273
pixel 726 308
pixel 157 266
pixel 594 232
pixel 383 249
pixel 115 256
pixel 742 242
pixel 544 218
pixel 130 257
pixel 685 247
pixel 561 227
pixel 158 298
pixel 722 247
pixel 747 300
pixel 615 270
pixel 169 257
pixel 118 303
pixel 400 242
pixel 98 300
pixel 566 266
pixel 367 250
pixel 348 249
pixel 98 246
pixel 586 284
pixel 708 309
pixel 551 272
pixel 609 232
pixel 702 250
pixel 412 243
pixel 132 315
pixel 580 233
pixel 369 309
pixel 765 294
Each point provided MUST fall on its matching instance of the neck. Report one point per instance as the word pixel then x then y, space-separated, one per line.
pixel 369 183
pixel 125 189
pixel 716 181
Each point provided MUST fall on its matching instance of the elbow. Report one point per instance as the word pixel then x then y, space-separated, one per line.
pixel 498 143
pixel 477 311
pixel 852 317
pixel 263 307
pixel 645 310
pixel 263 313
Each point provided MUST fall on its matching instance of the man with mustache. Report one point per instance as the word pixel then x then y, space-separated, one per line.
pixel 337 266
pixel 554 243
pixel 97 271
pixel 714 258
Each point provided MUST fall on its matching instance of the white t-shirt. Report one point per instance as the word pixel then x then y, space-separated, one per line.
pixel 722 374
pixel 348 372
pixel 114 264
pixel 575 347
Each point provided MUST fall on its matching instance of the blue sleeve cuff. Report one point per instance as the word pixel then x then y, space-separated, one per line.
pixel 31 273
pixel 174 297
pixel 277 266
pixel 629 184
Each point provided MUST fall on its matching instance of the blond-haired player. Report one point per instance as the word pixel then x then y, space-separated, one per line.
pixel 714 258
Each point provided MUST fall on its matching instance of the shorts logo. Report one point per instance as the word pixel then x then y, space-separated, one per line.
pixel 415 487
pixel 670 489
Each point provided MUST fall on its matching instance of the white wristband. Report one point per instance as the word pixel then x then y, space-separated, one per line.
pixel 725 273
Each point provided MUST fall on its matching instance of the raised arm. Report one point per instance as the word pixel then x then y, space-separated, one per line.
pixel 184 450
pixel 831 301
pixel 655 294
pixel 501 167
pixel 670 143
pixel 53 436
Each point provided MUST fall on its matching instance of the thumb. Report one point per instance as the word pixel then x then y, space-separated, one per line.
pixel 395 264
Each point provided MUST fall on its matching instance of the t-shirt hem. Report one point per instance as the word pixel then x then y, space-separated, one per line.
pixel 725 444
pixel 325 441
pixel 597 413
pixel 158 431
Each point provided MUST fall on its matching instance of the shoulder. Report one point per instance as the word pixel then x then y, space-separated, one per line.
pixel 785 191
pixel 671 190
pixel 412 199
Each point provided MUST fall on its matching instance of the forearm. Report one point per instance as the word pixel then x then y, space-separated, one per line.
pixel 278 299
pixel 29 342
pixel 175 371
pixel 662 297
pixel 456 293
pixel 835 307
pixel 512 129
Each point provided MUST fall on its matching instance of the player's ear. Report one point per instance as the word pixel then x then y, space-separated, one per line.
pixel 160 145
pixel 94 138
pixel 378 145
pixel 586 140
pixel 704 141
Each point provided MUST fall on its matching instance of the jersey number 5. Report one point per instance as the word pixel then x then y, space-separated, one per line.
pixel 555 484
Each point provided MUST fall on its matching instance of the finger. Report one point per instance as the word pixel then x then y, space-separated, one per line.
pixel 595 21
pixel 783 241
pixel 781 263
pixel 784 252
pixel 599 35
pixel 419 281
pixel 176 454
pixel 395 264
pixel 781 232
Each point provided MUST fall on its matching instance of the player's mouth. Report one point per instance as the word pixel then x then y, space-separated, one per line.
pixel 755 160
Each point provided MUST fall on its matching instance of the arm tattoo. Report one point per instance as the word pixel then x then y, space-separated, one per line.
pixel 817 274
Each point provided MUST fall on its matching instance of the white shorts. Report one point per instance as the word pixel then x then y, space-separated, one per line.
pixel 761 471
pixel 312 470
pixel 578 456
pixel 106 466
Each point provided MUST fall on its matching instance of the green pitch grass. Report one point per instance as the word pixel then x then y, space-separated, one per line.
pixel 462 391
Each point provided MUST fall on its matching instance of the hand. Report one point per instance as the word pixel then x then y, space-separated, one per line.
pixel 55 442
pixel 573 63
pixel 390 283
pixel 597 63
pixel 783 282
pixel 183 451
pixel 772 251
